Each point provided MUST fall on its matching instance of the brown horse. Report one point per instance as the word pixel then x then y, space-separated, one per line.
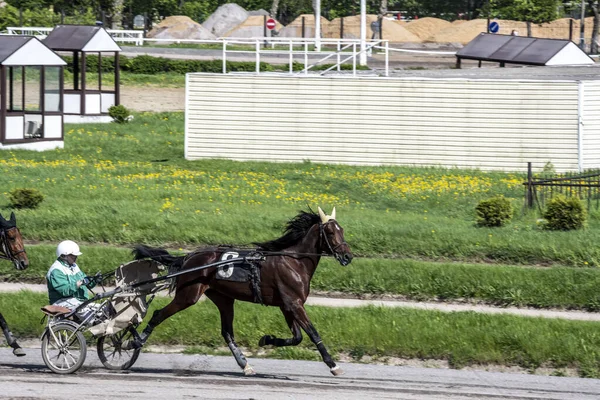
pixel 285 273
pixel 12 249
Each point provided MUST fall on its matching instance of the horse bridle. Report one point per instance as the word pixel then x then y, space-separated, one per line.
pixel 333 250
pixel 6 253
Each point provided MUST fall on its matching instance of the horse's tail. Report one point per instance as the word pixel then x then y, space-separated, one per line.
pixel 161 255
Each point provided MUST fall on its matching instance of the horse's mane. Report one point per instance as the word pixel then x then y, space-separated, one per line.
pixel 295 229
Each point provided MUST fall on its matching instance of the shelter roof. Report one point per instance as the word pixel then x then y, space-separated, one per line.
pixel 18 50
pixel 81 38
pixel 523 50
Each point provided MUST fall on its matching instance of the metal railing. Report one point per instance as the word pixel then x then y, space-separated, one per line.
pixel 304 49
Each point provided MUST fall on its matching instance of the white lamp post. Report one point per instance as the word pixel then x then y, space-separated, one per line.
pixel 363 32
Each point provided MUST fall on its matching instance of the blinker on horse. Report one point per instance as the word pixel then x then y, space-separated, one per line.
pixel 287 267
pixel 12 249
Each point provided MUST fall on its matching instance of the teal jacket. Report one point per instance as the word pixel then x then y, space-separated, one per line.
pixel 62 282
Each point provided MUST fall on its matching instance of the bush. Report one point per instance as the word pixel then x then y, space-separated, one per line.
pixel 564 214
pixel 25 198
pixel 496 211
pixel 120 114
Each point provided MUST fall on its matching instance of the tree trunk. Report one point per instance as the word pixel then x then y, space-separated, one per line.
pixel 594 45
pixel 383 9
pixel 274 8
pixel 529 34
pixel 116 16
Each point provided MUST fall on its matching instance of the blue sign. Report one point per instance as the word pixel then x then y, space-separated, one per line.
pixel 494 27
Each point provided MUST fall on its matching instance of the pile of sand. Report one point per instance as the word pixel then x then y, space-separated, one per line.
pixel 294 28
pixel 253 26
pixel 396 32
pixel 225 18
pixel 351 27
pixel 466 31
pixel 559 29
pixel 425 27
pixel 180 27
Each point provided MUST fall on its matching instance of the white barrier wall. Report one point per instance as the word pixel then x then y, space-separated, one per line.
pixel 486 124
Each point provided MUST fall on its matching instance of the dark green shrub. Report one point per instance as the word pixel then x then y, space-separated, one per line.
pixel 120 114
pixel 496 211
pixel 25 198
pixel 565 214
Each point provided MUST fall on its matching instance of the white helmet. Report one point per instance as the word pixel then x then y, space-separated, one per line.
pixel 67 247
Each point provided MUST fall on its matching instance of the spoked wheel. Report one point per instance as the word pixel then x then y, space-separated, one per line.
pixel 64 348
pixel 111 351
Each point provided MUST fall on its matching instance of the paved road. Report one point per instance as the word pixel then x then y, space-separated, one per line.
pixel 176 376
pixel 352 302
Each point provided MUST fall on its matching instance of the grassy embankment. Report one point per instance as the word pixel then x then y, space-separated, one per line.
pixel 411 228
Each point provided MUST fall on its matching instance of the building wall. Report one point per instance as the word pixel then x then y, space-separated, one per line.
pixel 590 126
pixel 486 124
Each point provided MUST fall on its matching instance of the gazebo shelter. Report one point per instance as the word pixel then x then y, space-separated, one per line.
pixel 87 97
pixel 31 83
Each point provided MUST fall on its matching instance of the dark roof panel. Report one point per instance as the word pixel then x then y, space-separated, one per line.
pixel 70 37
pixel 511 49
pixel 483 47
pixel 9 44
pixel 516 47
pixel 541 51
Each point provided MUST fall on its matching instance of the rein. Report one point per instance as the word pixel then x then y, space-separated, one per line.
pixel 322 236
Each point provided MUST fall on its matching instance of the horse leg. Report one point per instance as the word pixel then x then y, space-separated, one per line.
pixel 225 306
pixel 184 297
pixel 302 318
pixel 12 342
pixel 277 342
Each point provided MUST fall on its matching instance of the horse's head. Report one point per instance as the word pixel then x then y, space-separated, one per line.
pixel 11 243
pixel 333 235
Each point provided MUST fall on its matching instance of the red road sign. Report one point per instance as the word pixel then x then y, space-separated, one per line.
pixel 271 24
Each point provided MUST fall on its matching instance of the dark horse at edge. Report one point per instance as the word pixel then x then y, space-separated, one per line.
pixel 286 271
pixel 12 249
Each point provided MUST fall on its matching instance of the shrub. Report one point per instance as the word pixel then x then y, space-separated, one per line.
pixel 564 214
pixel 495 211
pixel 120 114
pixel 25 198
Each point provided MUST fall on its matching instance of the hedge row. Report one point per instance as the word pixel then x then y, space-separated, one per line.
pixel 155 65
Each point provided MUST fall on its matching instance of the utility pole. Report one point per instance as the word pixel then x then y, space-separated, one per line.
pixel 317 7
pixel 363 32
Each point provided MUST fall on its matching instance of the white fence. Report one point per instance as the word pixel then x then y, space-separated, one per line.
pixel 120 36
pixel 486 124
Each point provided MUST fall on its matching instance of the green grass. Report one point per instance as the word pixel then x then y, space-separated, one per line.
pixel 123 184
pixel 463 339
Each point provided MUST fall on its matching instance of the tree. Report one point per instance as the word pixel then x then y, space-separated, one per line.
pixel 593 4
pixel 535 11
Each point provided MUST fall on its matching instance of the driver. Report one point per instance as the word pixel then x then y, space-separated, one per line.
pixel 67 284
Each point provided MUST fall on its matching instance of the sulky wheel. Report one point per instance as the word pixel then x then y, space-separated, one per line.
pixel 111 352
pixel 63 348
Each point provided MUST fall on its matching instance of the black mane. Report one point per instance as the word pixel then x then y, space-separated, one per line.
pixel 295 230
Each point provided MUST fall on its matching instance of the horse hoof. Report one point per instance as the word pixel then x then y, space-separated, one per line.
pixel 264 340
pixel 337 371
pixel 19 352
pixel 248 370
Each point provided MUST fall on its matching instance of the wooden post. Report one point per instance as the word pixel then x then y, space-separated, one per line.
pixel 529 186
pixel 117 79
pixel 571 29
